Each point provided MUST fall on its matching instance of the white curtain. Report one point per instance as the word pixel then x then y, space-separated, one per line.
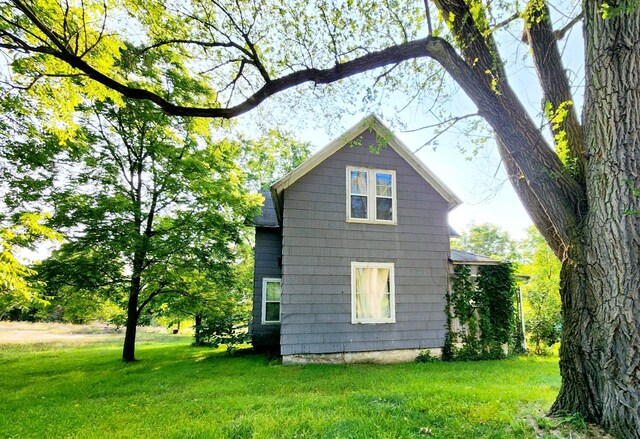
pixel 372 293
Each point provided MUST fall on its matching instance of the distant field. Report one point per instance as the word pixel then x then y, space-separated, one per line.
pixel 23 332
pixel 82 389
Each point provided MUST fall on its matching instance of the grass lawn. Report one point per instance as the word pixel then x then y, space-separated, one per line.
pixel 84 390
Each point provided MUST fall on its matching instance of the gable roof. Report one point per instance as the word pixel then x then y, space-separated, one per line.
pixel 268 217
pixel 370 122
pixel 462 257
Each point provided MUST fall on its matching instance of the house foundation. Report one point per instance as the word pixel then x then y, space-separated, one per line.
pixel 373 357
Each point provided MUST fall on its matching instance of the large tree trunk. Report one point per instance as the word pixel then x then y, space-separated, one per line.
pixel 579 355
pixel 600 284
pixel 600 356
pixel 129 349
pixel 198 332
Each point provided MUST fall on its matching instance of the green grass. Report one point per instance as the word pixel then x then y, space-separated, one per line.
pixel 178 391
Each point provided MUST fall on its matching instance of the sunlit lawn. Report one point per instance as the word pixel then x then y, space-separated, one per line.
pixel 179 391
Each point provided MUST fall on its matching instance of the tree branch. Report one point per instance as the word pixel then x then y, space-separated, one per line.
pixel 451 120
pixel 151 296
pixel 505 22
pixel 392 55
pixel 229 45
pixel 482 77
pixel 554 81
pixel 428 16
pixel 559 34
pixel 528 198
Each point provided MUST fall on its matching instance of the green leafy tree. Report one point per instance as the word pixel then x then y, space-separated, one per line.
pixel 152 207
pixel 579 184
pixel 487 240
pixel 210 300
pixel 272 156
pixel 542 291
pixel 17 289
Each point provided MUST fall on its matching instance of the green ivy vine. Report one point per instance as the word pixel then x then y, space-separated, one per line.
pixel 485 310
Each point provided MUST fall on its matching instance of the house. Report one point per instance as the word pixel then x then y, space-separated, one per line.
pixel 352 254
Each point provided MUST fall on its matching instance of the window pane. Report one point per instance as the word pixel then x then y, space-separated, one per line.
pixel 384 209
pixel 359 182
pixel 358 206
pixel 273 291
pixel 383 185
pixel 272 313
pixel 372 293
pixel 386 306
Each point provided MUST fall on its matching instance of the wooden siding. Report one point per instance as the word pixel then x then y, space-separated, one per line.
pixel 319 245
pixel 267 252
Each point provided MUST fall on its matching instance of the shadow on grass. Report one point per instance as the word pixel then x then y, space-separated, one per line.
pixel 177 390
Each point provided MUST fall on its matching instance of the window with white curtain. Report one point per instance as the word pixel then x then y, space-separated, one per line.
pixel 372 292
pixel 371 195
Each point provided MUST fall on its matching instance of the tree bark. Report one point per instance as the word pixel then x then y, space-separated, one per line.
pixel 555 85
pixel 198 333
pixel 129 348
pixel 600 356
pixel 578 353
pixel 595 228
pixel 139 255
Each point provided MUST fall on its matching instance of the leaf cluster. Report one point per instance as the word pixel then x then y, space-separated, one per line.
pixel 487 240
pixel 17 290
pixel 230 330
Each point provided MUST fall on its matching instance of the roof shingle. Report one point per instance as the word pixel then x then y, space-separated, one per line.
pixel 268 217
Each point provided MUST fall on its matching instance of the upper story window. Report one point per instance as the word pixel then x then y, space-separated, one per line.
pixel 371 195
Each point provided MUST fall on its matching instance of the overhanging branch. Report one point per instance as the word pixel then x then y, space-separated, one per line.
pixel 480 74
pixel 555 83
pixel 479 71
pixel 390 56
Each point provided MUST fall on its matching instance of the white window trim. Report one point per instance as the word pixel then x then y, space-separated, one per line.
pixel 371 196
pixel 392 292
pixel 266 280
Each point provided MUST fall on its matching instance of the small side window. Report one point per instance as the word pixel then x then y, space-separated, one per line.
pixel 271 295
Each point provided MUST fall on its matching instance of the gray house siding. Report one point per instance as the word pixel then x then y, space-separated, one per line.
pixel 319 246
pixel 268 253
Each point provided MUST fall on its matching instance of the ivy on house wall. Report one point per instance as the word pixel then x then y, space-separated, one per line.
pixel 484 308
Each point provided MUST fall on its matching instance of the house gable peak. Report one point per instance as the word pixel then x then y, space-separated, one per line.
pixel 371 122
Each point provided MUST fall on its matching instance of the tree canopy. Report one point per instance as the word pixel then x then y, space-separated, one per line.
pixel 487 240
pixel 153 208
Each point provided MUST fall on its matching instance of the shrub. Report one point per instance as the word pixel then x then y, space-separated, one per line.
pixel 229 330
pixel 425 357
